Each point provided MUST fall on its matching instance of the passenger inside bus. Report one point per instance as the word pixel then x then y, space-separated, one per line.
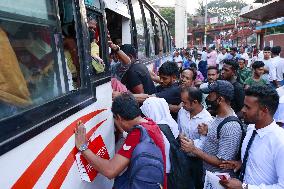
pixel 97 62
pixel 14 93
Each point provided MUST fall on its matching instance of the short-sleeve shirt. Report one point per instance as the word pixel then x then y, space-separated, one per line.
pixel 250 82
pixel 138 74
pixel 133 138
pixel 243 75
pixel 226 147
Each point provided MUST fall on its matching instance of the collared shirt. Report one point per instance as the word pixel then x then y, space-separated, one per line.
pixel 226 147
pixel 204 56
pixel 265 165
pixel 188 125
pixel 243 74
pixel 279 67
pixel 211 58
pixel 220 58
pixel 272 69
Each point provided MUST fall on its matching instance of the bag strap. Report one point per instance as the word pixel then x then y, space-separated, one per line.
pixel 165 128
pixel 144 134
pixel 226 120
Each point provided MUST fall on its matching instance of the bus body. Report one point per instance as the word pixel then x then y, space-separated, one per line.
pixel 50 80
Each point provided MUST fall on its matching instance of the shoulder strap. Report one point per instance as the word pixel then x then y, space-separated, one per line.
pixel 168 133
pixel 226 120
pixel 144 134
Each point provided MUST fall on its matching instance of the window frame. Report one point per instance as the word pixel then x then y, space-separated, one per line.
pixel 19 128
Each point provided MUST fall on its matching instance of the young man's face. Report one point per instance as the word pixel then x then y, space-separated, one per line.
pixel 186 78
pixel 259 71
pixel 241 64
pixel 167 81
pixel 266 54
pixel 252 111
pixel 199 57
pixel 223 51
pixel 212 75
pixel 227 72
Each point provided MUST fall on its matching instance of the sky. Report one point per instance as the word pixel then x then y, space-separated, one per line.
pixel 192 5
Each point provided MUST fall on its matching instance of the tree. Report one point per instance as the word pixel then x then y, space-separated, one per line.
pixel 200 11
pixel 169 14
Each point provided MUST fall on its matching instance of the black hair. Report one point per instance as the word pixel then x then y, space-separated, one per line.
pixel 257 64
pixel 129 49
pixel 234 49
pixel 232 63
pixel 193 71
pixel 204 49
pixel 193 65
pixel 242 59
pixel 213 68
pixel 266 95
pixel 193 93
pixel 267 48
pixel 169 69
pixel 125 106
pixel 276 50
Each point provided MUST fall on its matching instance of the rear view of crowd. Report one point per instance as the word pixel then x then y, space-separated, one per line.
pixel 204 111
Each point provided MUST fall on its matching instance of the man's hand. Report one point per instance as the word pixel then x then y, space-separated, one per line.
pixel 231 183
pixel 235 165
pixel 187 145
pixel 80 135
pixel 202 129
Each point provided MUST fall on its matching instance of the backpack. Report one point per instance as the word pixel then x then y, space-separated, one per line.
pixel 180 176
pixel 146 168
pixel 243 128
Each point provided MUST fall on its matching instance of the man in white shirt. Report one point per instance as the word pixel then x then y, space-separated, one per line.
pixel 276 64
pixel 190 116
pixel 267 61
pixel 263 147
pixel 221 56
pixel 177 58
pixel 204 54
pixel 279 64
pixel 244 55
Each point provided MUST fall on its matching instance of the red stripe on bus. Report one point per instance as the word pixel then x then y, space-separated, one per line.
pixel 31 175
pixel 64 168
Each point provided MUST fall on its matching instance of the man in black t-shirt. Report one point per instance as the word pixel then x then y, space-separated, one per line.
pixel 228 73
pixel 137 78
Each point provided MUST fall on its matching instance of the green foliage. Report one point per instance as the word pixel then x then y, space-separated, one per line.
pixel 169 14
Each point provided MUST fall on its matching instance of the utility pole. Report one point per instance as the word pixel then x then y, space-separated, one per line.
pixel 205 22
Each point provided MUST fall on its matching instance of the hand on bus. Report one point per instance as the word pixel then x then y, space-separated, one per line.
pixel 80 135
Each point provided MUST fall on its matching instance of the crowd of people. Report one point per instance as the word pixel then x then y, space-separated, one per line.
pixel 218 111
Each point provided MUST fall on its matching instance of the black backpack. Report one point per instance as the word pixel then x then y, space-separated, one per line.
pixel 180 176
pixel 243 128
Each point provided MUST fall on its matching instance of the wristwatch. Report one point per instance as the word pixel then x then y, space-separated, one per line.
pixel 83 147
pixel 244 186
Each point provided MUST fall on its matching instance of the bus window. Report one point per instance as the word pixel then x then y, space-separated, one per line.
pixel 95 42
pixel 158 36
pixel 114 25
pixel 31 70
pixel 150 36
pixel 140 28
pixel 165 49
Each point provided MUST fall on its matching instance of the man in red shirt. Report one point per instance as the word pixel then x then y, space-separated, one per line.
pixel 127 114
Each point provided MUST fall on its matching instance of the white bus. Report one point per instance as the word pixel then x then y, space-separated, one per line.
pixel 49 81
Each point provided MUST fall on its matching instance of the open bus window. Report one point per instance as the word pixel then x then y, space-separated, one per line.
pixel 31 69
pixel 140 28
pixel 95 42
pixel 151 34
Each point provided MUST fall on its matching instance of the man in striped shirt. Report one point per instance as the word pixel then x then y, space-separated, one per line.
pixel 227 146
